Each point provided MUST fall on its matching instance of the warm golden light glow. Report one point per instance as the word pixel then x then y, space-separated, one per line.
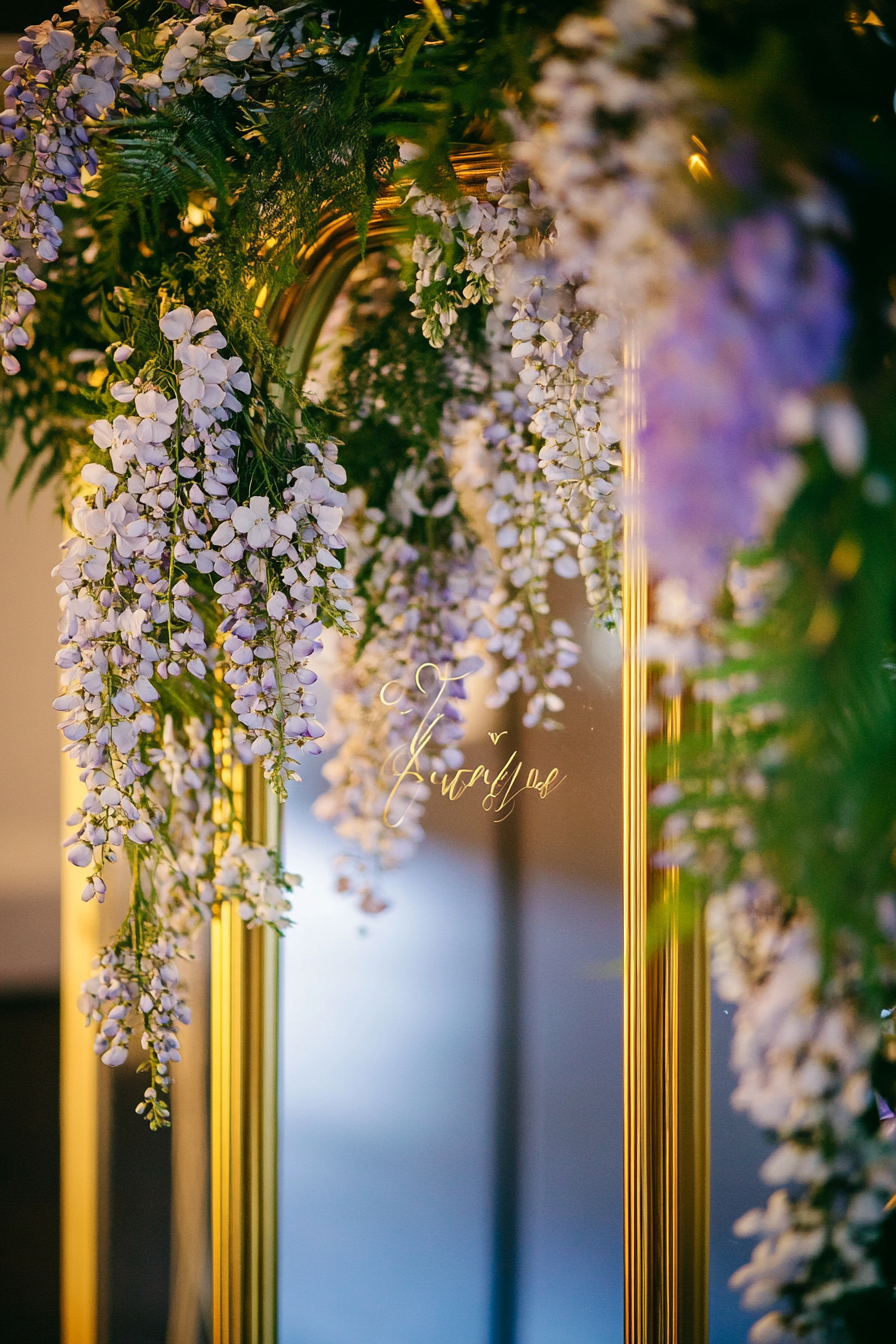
pixel 79 1098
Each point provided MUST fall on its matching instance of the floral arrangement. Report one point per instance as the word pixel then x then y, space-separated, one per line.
pixel 700 191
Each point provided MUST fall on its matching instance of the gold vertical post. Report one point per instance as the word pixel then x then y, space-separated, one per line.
pixel 189 1305
pixel 665 1007
pixel 244 1050
pixel 79 1099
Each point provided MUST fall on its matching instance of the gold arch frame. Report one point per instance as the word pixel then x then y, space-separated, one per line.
pixel 665 994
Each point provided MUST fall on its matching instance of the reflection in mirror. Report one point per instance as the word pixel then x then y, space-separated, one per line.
pixel 738 1151
pixel 451 1141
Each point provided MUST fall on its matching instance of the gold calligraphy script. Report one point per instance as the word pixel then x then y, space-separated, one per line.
pixel 404 765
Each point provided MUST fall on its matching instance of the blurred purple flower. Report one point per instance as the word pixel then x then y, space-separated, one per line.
pixel 769 320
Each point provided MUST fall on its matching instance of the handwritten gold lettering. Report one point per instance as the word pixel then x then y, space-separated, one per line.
pixel 404 764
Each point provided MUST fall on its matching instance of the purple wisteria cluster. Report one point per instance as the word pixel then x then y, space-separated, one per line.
pixel 744 339
pixel 127 619
pixel 492 455
pixel 127 988
pixel 129 615
pixel 54 88
pixel 137 985
pixel 431 607
pixel 278 575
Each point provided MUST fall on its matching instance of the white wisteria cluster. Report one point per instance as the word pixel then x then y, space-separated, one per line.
pixel 568 372
pixel 802 1053
pixel 52 90
pixel 221 57
pixel 252 873
pixel 431 607
pixel 125 595
pixel 613 196
pixel 802 1049
pixel 492 461
pixel 278 574
pixel 481 235
pixel 563 363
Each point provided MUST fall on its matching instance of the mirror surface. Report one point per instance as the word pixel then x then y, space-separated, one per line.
pixel 451 1068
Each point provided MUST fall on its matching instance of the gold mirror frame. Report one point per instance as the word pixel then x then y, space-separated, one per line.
pixel 665 993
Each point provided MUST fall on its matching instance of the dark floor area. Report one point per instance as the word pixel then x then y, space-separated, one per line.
pixel 139 1233
pixel 29 1169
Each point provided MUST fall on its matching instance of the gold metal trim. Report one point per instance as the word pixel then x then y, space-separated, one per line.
pixel 245 968
pixel 665 1007
pixel 638 1206
pixel 79 1101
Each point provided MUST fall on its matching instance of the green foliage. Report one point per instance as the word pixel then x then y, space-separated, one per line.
pixel 259 176
pixel 391 386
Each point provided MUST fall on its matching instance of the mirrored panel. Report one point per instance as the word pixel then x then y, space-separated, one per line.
pixel 451 1150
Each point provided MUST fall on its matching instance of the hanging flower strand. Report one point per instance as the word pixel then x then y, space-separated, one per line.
pixel 127 621
pixel 431 608
pixel 136 985
pixel 279 576
pixel 53 88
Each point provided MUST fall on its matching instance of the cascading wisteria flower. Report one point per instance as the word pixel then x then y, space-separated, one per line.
pixel 728 351
pixel 726 385
pixel 161 506
pixel 278 575
pixel 563 358
pixel 567 374
pixel 491 457
pixel 460 258
pixel 185 788
pixel 53 89
pixel 551 467
pixel 221 57
pixel 127 620
pixel 253 873
pixel 605 148
pixel 136 984
pixel 137 981
pixel 431 608
pixel 803 1054
pixel 130 988
pixel 802 1048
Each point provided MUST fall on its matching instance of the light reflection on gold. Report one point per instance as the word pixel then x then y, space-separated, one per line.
pixel 79 1099
pixel 665 1003
pixel 243 1055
